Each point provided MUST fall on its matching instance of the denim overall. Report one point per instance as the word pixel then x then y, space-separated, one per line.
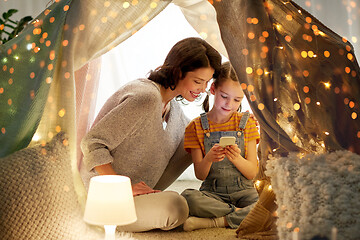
pixel 225 188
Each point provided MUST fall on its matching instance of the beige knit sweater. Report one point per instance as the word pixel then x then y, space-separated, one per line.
pixel 128 132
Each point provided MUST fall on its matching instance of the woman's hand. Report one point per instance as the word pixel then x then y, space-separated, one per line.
pixel 232 152
pixel 141 188
pixel 216 154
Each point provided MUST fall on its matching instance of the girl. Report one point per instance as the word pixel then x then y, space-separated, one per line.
pixel 139 133
pixel 227 193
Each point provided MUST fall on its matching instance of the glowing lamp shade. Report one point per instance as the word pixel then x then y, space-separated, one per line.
pixel 110 203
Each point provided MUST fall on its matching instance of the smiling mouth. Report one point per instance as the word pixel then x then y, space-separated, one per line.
pixel 195 95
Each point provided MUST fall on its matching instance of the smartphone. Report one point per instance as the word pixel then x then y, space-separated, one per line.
pixel 226 141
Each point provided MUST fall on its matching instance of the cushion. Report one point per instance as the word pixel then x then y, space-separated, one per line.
pixel 37 195
pixel 317 192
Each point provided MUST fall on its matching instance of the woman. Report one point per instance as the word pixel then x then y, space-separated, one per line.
pixel 139 133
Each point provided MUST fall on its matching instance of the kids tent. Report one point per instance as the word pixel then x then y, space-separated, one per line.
pixel 301 80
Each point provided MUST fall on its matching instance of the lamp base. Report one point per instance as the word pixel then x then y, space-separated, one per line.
pixel 110 232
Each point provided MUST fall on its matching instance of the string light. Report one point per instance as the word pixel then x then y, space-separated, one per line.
pixel 278 26
pixel 327 85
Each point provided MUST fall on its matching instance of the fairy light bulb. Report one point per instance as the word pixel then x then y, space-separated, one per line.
pixel 327 84
pixel 257 183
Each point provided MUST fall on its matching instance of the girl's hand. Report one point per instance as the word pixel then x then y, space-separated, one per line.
pixel 141 188
pixel 216 154
pixel 232 153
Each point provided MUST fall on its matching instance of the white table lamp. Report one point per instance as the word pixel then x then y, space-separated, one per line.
pixel 110 203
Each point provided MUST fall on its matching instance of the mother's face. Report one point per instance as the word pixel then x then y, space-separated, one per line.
pixel 194 83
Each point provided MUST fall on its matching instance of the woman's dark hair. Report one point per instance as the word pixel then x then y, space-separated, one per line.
pixel 226 72
pixel 185 56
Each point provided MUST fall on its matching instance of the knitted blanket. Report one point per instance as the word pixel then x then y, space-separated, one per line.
pixel 37 195
pixel 315 193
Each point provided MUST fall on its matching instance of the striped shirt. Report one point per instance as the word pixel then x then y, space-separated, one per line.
pixel 194 133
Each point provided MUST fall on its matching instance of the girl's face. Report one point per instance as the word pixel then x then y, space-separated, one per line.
pixel 194 83
pixel 227 97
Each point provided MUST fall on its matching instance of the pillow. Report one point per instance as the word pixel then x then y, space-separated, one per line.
pixel 317 192
pixel 37 195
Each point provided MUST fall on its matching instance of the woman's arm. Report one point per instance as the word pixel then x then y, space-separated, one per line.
pixel 178 163
pixel 137 188
pixel 203 164
pixel 105 169
pixel 121 116
pixel 247 166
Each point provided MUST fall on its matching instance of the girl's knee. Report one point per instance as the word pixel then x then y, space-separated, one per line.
pixel 191 196
pixel 189 193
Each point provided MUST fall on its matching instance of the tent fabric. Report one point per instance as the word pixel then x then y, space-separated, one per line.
pixel 297 74
pixel 202 17
pixel 296 87
pixel 63 38
pixel 24 90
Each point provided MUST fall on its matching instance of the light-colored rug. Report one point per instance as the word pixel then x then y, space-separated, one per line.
pixel 178 233
pixel 181 185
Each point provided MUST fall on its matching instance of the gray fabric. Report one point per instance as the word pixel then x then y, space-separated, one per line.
pixel 37 196
pixel 128 132
pixel 209 204
pixel 317 192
